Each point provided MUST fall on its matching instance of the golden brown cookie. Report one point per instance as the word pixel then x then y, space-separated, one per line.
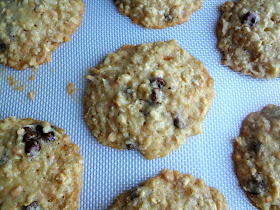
pixel 40 168
pixel 148 97
pixel 32 29
pixel 158 13
pixel 249 37
pixel 257 157
pixel 171 190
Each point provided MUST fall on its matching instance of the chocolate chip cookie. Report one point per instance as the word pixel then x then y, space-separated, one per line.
pixel 149 97
pixel 158 13
pixel 257 157
pixel 40 168
pixel 171 190
pixel 249 37
pixel 31 30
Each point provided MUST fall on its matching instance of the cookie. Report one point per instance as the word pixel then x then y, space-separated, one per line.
pixel 158 13
pixel 40 168
pixel 148 97
pixel 257 158
pixel 171 190
pixel 249 37
pixel 31 30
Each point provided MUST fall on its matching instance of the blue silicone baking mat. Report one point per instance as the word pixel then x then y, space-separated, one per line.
pixel 108 172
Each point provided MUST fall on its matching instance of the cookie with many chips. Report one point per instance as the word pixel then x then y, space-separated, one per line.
pixel 171 190
pixel 150 97
pixel 249 37
pixel 257 158
pixel 32 29
pixel 158 13
pixel 40 168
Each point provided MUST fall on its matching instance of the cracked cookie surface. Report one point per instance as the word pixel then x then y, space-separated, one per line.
pixel 257 158
pixel 40 168
pixel 249 37
pixel 148 97
pixel 171 190
pixel 32 29
pixel 158 13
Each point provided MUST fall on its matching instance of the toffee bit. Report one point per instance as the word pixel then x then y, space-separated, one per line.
pixel 29 136
pixel 49 137
pixel 255 146
pixel 250 19
pixel 156 95
pixel 39 129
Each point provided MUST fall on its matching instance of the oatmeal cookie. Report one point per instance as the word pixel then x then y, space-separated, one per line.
pixel 257 157
pixel 31 29
pixel 171 190
pixel 158 13
pixel 249 37
pixel 40 168
pixel 148 97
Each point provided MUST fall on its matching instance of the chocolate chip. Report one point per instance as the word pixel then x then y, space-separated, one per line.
pixel 48 137
pixel 167 18
pixel 4 159
pixel 254 187
pixel 250 19
pixel 26 129
pixel 29 136
pixel 3 46
pixel 130 146
pixel 134 194
pixel 32 206
pixel 156 95
pixel 32 148
pixel 255 146
pixel 178 123
pixel 39 129
pixel 159 82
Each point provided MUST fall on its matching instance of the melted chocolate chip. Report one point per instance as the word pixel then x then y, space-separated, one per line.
pixel 134 194
pixel 254 187
pixel 167 18
pixel 178 123
pixel 39 129
pixel 3 46
pixel 32 206
pixel 4 159
pixel 29 136
pixel 130 146
pixel 159 82
pixel 250 19
pixel 48 137
pixel 32 147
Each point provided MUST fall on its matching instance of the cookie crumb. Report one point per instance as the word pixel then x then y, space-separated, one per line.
pixel 71 89
pixel 11 80
pixel 31 95
pixel 32 77
pixel 20 88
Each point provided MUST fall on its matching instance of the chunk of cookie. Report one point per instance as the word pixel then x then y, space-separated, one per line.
pixel 40 168
pixel 171 190
pixel 249 37
pixel 257 158
pixel 158 13
pixel 31 30
pixel 148 97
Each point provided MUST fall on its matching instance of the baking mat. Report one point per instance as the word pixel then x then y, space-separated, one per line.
pixel 108 172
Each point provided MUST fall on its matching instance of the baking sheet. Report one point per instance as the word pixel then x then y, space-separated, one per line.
pixel 108 172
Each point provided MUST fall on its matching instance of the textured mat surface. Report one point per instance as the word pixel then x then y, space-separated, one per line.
pixel 108 172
